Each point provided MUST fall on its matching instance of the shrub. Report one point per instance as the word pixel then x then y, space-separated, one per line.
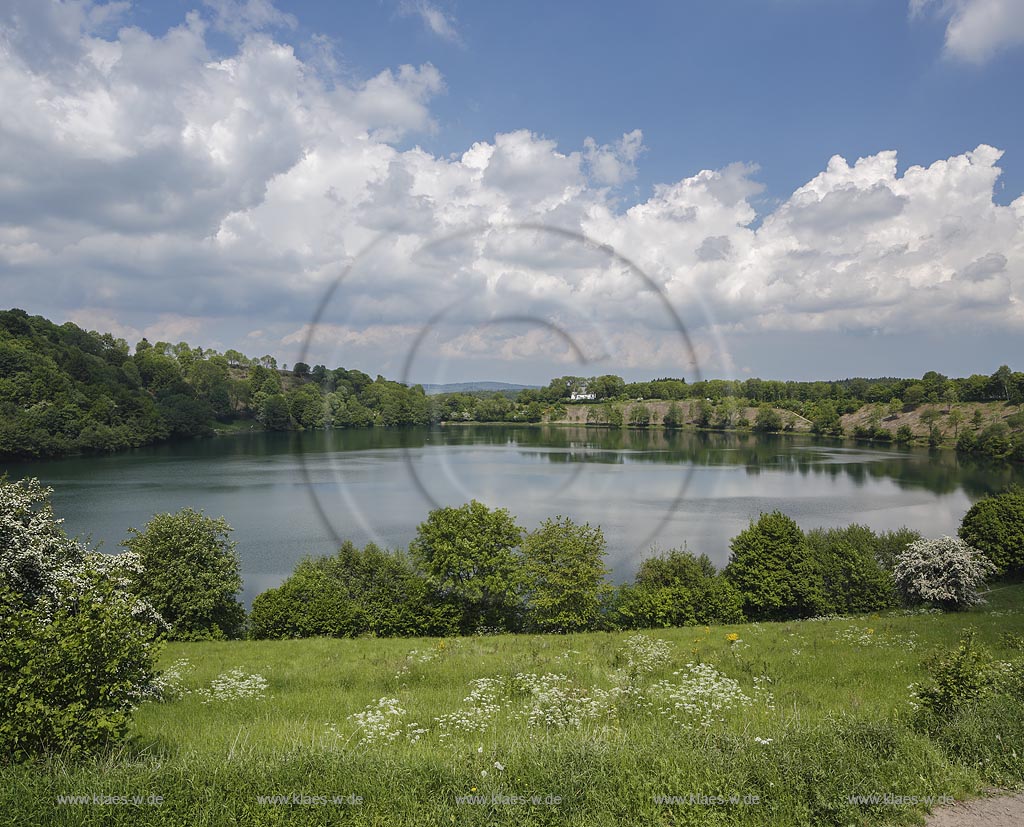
pixel 995 441
pixel 772 567
pixel 673 416
pixel 354 592
pixel 77 648
pixel 854 582
pixel 767 418
pixel 676 567
pixel 190 574
pixel 957 678
pixel 890 544
pixel 945 572
pixel 637 607
pixel 995 525
pixel 967 442
pixel 563 575
pixel 680 589
pixel 470 556
pixel 903 434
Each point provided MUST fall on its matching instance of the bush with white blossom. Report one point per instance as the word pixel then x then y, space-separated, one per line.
pixel 945 572
pixel 77 648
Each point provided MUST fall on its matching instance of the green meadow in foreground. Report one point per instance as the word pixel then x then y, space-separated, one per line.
pixel 760 724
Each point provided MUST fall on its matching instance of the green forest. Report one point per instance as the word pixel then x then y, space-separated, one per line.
pixel 65 390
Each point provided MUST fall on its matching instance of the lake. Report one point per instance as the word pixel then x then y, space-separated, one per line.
pixel 288 495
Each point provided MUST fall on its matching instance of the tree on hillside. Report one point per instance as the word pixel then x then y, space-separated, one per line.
pixel 471 555
pixel 929 416
pixel 767 419
pixel 190 574
pixel 564 575
pixel 673 416
pixel 950 395
pixel 955 418
pixel 639 416
pixel 772 566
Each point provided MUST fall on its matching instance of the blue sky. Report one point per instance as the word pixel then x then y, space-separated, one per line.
pixel 208 134
pixel 784 84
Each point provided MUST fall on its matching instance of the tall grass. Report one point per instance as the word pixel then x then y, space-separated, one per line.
pixel 803 715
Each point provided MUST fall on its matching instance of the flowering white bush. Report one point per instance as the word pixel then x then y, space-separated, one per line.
pixel 46 568
pixel 77 647
pixel 946 572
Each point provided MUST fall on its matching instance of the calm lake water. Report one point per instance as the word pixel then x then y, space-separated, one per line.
pixel 288 495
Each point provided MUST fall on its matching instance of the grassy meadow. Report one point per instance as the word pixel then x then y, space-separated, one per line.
pixel 780 726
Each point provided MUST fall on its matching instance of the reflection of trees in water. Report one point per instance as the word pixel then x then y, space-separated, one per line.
pixel 941 472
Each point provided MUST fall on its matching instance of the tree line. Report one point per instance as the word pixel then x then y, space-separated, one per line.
pixel 81 630
pixel 473 568
pixel 65 390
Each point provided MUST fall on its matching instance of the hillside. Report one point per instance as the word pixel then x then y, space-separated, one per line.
pixel 65 390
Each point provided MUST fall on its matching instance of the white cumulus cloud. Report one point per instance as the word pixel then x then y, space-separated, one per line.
pixel 976 29
pixel 149 184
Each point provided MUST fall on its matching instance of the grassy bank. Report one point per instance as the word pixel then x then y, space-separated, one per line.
pixel 791 719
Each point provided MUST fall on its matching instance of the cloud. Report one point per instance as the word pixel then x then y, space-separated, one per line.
pixel 243 17
pixel 977 29
pixel 150 185
pixel 435 20
pixel 614 164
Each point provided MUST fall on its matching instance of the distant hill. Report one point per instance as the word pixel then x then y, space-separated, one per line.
pixel 471 387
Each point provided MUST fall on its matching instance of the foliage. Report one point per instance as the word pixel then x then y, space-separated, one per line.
pixel 76 647
pixel 772 567
pixel 854 581
pixel 64 390
pixel 676 589
pixel 190 574
pixel 995 525
pixel 469 554
pixel 673 417
pixel 354 592
pixel 768 419
pixel 958 677
pixel 946 572
pixel 639 416
pixel 890 544
pixel 563 576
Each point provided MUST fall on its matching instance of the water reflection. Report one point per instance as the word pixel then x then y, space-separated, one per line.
pixel 626 481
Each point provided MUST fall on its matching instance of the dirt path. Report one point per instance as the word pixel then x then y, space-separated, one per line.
pixel 1002 811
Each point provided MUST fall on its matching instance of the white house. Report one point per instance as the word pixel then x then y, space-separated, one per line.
pixel 581 395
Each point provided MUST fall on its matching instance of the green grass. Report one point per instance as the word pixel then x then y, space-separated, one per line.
pixel 841 724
